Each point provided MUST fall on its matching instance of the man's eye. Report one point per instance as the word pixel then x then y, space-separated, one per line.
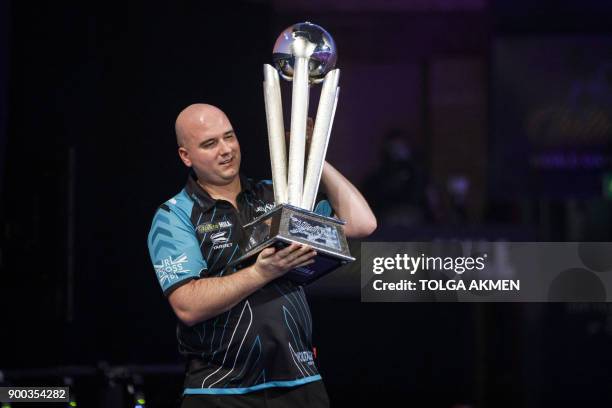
pixel 229 136
pixel 208 145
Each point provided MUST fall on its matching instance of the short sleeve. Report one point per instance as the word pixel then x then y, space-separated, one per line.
pixel 174 250
pixel 324 208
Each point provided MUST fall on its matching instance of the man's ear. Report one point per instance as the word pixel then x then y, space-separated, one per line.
pixel 184 155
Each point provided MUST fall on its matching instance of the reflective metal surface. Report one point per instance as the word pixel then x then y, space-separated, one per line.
pixel 322 60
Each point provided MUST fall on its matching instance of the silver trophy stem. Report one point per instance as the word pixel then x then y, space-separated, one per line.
pixel 320 138
pixel 276 133
pixel 302 49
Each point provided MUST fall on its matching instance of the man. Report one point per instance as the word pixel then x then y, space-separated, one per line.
pixel 246 333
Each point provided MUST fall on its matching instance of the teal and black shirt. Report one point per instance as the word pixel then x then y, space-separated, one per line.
pixel 265 340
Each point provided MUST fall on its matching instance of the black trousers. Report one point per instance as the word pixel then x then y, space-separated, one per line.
pixel 311 395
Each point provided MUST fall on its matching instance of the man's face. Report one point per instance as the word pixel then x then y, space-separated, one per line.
pixel 212 150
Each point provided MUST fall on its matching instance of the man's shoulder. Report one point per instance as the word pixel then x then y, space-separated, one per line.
pixel 264 185
pixel 172 218
pixel 180 205
pixel 261 188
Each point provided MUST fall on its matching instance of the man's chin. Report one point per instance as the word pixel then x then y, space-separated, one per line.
pixel 229 175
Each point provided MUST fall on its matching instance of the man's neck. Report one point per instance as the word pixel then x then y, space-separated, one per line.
pixel 227 192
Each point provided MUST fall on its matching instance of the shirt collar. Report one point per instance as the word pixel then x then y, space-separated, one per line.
pixel 201 196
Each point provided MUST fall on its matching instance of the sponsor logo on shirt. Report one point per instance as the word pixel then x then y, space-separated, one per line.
pixel 264 208
pixel 213 226
pixel 169 269
pixel 219 240
pixel 304 357
pixel 219 237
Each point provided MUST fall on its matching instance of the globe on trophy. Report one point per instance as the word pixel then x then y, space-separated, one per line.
pixel 304 54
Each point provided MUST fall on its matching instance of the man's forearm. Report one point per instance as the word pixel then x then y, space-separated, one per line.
pixel 204 298
pixel 348 203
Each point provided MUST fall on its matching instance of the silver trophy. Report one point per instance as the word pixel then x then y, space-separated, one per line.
pixel 306 55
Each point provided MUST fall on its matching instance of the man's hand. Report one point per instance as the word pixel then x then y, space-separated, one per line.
pixel 204 298
pixel 273 263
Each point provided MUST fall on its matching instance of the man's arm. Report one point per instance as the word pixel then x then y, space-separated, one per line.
pixel 348 203
pixel 204 298
pixel 345 199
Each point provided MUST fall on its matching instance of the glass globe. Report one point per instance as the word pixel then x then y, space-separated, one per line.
pixel 322 60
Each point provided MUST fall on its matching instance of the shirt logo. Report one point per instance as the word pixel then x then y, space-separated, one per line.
pixel 219 240
pixel 219 237
pixel 264 208
pixel 213 226
pixel 169 269
pixel 304 357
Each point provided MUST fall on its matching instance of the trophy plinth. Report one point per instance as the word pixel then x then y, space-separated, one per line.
pixel 286 224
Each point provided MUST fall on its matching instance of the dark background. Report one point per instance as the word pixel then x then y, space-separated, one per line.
pixel 467 119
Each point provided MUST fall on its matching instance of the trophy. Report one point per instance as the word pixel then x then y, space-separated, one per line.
pixel 306 55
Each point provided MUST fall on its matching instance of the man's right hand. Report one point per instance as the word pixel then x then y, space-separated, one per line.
pixel 202 299
pixel 273 263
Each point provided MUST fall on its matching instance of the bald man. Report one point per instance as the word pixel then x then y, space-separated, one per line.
pixel 246 333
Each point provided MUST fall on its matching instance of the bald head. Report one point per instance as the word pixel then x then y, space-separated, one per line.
pixel 199 116
pixel 208 144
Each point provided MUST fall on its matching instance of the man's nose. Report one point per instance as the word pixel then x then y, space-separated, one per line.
pixel 225 147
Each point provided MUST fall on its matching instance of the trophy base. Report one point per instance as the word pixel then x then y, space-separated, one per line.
pixel 286 224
